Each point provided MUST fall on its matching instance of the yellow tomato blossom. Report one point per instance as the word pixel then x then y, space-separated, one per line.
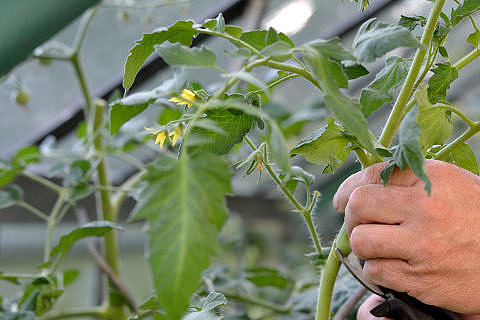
pixel 186 98
pixel 175 134
pixel 161 136
pixel 160 139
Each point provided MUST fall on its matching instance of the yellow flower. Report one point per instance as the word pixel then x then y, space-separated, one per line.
pixel 161 136
pixel 160 139
pixel 186 98
pixel 174 135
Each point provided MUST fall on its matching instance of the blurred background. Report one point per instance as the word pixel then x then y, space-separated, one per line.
pixel 260 224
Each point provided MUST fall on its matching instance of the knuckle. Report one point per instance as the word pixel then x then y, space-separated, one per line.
pixel 358 242
pixel 358 199
pixel 373 271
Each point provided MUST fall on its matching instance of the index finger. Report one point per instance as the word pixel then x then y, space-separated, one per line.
pixel 371 175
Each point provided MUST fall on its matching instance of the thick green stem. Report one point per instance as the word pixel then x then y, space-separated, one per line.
pixel 106 211
pixel 397 113
pixel 329 275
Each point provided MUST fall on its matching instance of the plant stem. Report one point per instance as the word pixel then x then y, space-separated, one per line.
pixel 467 59
pixel 47 183
pixel 397 113
pixel 457 142
pixel 259 302
pixel 457 112
pixel 33 210
pixel 329 275
pixel 87 312
pixel 51 223
pixel 307 215
pixel 121 194
pixel 83 84
pixel 234 80
pixel 105 209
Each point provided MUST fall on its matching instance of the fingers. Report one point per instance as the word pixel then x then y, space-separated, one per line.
pixel 395 274
pixel 371 241
pixel 378 204
pixel 364 310
pixel 370 175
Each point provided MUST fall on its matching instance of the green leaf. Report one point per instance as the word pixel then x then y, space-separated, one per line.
pixel 278 146
pixel 184 205
pixel 125 109
pixel 77 172
pixel 382 89
pixel 81 190
pixel 474 39
pixel 181 32
pixel 443 75
pixel 465 9
pixel 7 173
pixel 235 125
pixel 326 146
pixel 69 276
pixel 412 22
pixel 260 39
pixel 91 229
pixel 11 279
pixel 436 123
pixel 354 71
pixel 176 54
pixel 279 50
pixel 169 114
pixel 375 39
pixel 26 155
pixel 250 78
pixel 332 49
pixel 121 113
pixel 214 300
pixel 345 109
pixel 464 157
pixel 408 153
pixel 262 277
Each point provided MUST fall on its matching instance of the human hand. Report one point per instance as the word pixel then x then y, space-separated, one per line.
pixel 427 246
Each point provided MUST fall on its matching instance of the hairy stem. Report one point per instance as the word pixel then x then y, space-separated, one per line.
pixel 329 275
pixel 306 212
pixel 105 208
pixel 397 113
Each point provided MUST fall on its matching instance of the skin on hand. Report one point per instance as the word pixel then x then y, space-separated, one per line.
pixel 427 246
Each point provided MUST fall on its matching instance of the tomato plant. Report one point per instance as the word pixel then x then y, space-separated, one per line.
pixel 203 134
